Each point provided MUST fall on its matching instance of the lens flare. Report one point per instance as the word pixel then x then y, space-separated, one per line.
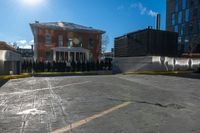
pixel 32 2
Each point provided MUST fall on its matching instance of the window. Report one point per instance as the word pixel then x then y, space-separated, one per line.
pixel 184 3
pixel 176 28
pixel 91 43
pixel 70 43
pixel 180 17
pixel 177 3
pixel 182 30
pixel 187 15
pixel 48 56
pixel 191 29
pixel 186 44
pixel 179 39
pixel 80 44
pixel 173 19
pixel 186 47
pixel 195 12
pixel 191 3
pixel 60 41
pixel 199 26
pixel 48 39
pixel 90 56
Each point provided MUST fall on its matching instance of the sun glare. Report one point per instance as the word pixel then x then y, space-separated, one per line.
pixel 32 2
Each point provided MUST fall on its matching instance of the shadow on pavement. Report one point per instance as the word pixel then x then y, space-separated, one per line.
pixel 58 75
pixel 191 75
pixel 2 82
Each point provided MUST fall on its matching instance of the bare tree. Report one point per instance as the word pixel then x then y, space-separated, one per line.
pixel 105 42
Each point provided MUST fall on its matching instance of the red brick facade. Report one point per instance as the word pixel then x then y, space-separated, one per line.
pixel 84 36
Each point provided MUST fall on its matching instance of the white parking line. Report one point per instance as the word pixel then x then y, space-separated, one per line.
pixel 91 118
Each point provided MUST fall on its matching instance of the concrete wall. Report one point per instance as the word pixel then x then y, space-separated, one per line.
pixel 153 63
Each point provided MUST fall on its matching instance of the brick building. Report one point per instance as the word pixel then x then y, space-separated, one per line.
pixel 147 42
pixel 183 16
pixel 62 41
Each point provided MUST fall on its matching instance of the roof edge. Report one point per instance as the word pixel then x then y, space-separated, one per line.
pixel 32 25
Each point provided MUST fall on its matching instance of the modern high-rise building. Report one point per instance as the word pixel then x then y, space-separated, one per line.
pixel 183 16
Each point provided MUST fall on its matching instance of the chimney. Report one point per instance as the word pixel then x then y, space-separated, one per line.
pixel 37 22
pixel 158 22
pixel 149 27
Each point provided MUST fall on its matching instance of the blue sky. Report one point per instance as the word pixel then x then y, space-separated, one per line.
pixel 116 17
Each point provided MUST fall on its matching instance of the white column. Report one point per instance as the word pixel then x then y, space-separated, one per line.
pixel 87 56
pixel 69 58
pixel 54 55
pixel 79 56
pixel 58 56
pixel 75 56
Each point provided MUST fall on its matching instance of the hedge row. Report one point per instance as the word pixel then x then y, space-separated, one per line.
pixel 28 66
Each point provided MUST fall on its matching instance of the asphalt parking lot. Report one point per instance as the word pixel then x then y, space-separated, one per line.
pixel 100 104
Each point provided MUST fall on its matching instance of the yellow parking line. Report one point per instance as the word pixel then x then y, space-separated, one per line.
pixel 89 119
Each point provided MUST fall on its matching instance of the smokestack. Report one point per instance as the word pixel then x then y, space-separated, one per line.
pixel 158 22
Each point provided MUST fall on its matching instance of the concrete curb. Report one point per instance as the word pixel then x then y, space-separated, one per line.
pixel 41 74
pixel 160 73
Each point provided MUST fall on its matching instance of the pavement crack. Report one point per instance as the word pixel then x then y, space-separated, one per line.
pixel 174 106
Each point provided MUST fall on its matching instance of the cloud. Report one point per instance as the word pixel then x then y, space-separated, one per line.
pixel 21 42
pixel 24 44
pixel 31 42
pixel 143 10
pixel 152 13
pixel 25 47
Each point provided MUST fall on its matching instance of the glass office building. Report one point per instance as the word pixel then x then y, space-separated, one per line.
pixel 183 16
